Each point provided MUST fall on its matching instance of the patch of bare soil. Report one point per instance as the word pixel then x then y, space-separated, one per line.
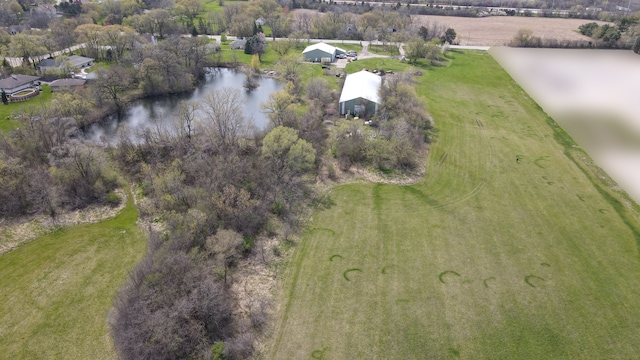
pixel 18 231
pixel 330 175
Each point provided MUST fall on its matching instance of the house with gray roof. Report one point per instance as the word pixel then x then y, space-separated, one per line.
pixel 66 84
pixel 17 82
pixel 74 62
pixel 238 44
pixel 321 52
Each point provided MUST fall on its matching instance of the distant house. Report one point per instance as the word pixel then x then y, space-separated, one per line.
pixel 16 83
pixel 16 29
pixel 238 44
pixel 321 52
pixel 360 94
pixel 79 62
pixel 74 62
pixel 66 84
pixel 260 21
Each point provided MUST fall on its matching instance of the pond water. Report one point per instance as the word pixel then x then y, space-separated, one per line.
pixel 151 112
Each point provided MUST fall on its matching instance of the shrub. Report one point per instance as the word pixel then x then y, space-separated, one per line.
pixel 112 199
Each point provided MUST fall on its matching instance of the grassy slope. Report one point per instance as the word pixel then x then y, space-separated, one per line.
pixel 58 289
pixel 483 216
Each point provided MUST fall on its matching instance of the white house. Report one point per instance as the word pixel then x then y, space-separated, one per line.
pixel 360 94
pixel 17 82
pixel 319 51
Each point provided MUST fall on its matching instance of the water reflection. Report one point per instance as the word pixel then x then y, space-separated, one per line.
pixel 153 112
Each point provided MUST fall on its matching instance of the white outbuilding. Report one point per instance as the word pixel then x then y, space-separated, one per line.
pixel 321 52
pixel 360 94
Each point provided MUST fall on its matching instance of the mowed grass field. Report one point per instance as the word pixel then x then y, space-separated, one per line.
pixel 57 290
pixel 487 258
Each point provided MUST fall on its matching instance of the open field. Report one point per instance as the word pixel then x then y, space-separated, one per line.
pixel 499 30
pixel 593 94
pixel 58 289
pixel 487 258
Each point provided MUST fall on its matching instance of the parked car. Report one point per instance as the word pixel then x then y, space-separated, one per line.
pixel 351 53
pixel 341 56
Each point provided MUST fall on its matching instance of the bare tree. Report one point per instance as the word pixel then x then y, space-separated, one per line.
pixel 225 247
pixel 224 119
pixel 187 111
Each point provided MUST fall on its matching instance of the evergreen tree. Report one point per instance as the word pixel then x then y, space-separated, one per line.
pixel 5 100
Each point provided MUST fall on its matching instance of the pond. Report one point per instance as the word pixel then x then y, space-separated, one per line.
pixel 150 112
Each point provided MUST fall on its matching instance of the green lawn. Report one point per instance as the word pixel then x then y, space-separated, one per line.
pixel 214 6
pixel 486 258
pixel 354 47
pixel 382 63
pixel 99 65
pixel 391 50
pixel 57 290
pixel 8 109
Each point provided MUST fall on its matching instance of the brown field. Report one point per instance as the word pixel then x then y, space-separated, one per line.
pixel 499 30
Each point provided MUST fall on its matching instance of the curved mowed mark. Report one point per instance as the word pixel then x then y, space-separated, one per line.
pixel 532 279
pixel 442 158
pixel 486 281
pixel 336 256
pixel 468 281
pixel 400 301
pixel 445 273
pixel 386 268
pixel 318 354
pixel 550 183
pixel 321 229
pixel 545 264
pixel 580 197
pixel 602 211
pixel 538 160
pixel 348 271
